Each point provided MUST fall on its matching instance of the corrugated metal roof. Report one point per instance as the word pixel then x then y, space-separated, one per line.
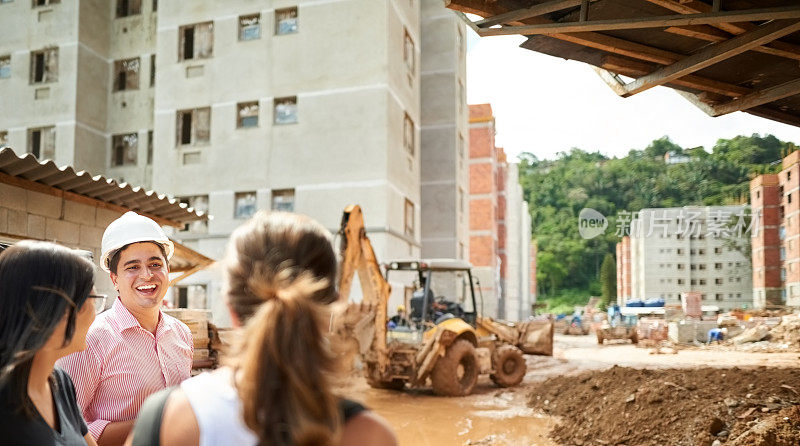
pixel 28 168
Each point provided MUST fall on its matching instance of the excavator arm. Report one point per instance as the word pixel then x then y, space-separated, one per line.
pixel 357 255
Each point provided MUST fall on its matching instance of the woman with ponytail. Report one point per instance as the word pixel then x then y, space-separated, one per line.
pixel 47 307
pixel 275 388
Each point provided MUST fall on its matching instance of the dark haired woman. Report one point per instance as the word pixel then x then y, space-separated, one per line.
pixel 280 274
pixel 48 304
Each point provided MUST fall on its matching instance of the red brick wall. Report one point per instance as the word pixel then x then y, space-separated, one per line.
pixel 481 214
pixel 765 198
pixel 481 142
pixel 481 178
pixel 481 250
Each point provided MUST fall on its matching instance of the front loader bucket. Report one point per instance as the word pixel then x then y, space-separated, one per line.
pixel 536 337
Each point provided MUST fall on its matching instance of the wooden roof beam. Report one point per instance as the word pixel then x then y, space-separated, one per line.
pixel 759 97
pixel 781 49
pixel 632 68
pixel 533 11
pixel 784 12
pixel 713 54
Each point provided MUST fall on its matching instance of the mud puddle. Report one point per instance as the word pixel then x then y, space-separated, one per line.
pixel 490 416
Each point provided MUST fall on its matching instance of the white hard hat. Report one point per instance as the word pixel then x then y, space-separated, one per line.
pixel 132 228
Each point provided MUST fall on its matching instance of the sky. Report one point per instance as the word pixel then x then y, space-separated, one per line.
pixel 545 105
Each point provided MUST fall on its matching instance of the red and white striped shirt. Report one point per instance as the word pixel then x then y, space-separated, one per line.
pixel 123 364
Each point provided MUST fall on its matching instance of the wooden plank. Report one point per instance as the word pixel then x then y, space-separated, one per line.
pixel 617 46
pixel 704 32
pixel 636 69
pixel 700 32
pixel 785 12
pixel 781 49
pixel 713 54
pixel 621 47
pixel 533 11
pixel 759 97
pixel 44 189
pixel 775 115
pixel 611 79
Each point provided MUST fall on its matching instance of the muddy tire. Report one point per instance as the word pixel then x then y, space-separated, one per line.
pixel 456 372
pixel 509 366
pixel 395 384
pixel 599 336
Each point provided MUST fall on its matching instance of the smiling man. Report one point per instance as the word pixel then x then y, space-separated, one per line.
pixel 133 349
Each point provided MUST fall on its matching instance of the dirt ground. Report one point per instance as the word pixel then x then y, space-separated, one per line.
pixel 580 397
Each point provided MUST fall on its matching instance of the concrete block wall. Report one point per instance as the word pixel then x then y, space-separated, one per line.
pixel 26 214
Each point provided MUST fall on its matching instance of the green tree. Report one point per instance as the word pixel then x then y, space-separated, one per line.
pixel 557 190
pixel 608 281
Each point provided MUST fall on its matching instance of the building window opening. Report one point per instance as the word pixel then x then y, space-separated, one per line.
pixel 197 41
pixel 244 205
pixel 152 70
pixel 283 200
pixel 127 8
pixel 125 148
pixel 198 203
pixel 42 142
pixel 286 21
pixel 247 114
pixel 191 296
pixel 409 218
pixel 44 66
pixel 409 133
pixel 5 67
pixel 250 27
pixel 286 110
pixel 409 56
pixel 193 126
pixel 45 2
pixel 126 74
pixel 149 147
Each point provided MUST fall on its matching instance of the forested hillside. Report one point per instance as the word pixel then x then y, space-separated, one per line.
pixel 568 265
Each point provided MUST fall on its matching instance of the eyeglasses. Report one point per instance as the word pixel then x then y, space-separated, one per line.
pixel 99 301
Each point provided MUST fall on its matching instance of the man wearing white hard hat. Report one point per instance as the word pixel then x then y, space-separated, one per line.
pixel 133 349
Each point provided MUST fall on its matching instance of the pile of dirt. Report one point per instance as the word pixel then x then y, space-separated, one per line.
pixel 624 406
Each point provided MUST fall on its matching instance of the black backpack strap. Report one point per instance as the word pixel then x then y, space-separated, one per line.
pixel 147 430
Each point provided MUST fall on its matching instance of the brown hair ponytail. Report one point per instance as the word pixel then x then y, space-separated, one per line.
pixel 280 272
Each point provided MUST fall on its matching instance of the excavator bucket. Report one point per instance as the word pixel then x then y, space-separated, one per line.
pixel 536 337
pixel 352 330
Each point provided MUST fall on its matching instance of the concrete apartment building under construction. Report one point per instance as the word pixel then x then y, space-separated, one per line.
pixel 688 249
pixel 235 106
pixel 776 242
pixel 499 224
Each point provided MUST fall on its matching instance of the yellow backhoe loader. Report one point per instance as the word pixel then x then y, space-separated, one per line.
pixel 443 337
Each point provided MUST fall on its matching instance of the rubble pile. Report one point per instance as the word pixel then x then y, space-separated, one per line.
pixel 707 406
pixel 788 331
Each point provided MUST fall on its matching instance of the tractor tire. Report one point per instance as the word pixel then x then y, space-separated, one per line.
pixel 509 366
pixel 395 384
pixel 456 373
pixel 599 336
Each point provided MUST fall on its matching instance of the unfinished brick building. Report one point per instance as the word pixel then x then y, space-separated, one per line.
pixel 776 235
pixel 499 224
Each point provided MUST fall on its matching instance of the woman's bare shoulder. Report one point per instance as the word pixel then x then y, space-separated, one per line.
pixel 179 424
pixel 368 429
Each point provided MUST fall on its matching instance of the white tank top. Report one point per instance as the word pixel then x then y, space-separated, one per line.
pixel 217 408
